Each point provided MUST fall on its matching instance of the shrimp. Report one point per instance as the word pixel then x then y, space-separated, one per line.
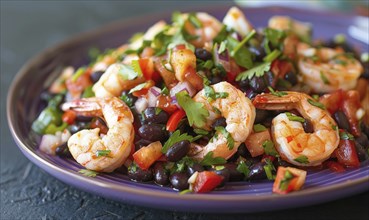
pixel 236 19
pixel 85 144
pixel 210 27
pixel 291 140
pixel 327 70
pixel 239 113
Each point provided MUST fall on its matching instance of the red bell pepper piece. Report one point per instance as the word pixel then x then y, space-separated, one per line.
pixel 334 166
pixel 174 119
pixel 206 181
pixel 69 116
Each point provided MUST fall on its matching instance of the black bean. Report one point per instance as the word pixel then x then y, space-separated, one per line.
pixel 46 96
pixel 77 127
pixel 203 54
pixel 258 84
pixel 154 115
pixel 341 120
pixel 82 118
pixel 178 150
pixel 141 143
pixel 128 98
pixel 224 173
pixel 308 126
pixel 243 152
pixel 215 80
pixel 251 94
pixel 282 163
pixel 362 140
pixel 260 115
pixel 161 175
pixel 95 76
pixel 269 78
pixel 152 132
pixel 219 122
pixel 63 150
pixel 257 171
pixel 361 151
pixel 234 175
pixel 191 169
pixel 137 174
pixel 258 53
pixel 244 85
pixel 179 181
pixel 291 77
pixel 365 128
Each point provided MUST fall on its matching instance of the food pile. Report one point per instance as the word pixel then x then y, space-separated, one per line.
pixel 197 103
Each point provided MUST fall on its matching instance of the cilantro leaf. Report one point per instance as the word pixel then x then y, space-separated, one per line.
pixel 175 138
pixel 324 78
pixel 89 173
pixel 227 135
pixel 258 71
pixel 293 117
pixel 210 160
pixel 302 159
pixel 242 55
pixel 268 169
pixel 195 111
pixel 138 87
pixel 212 95
pixel 288 176
pixel 269 148
pixel 346 136
pixel 126 72
pixel 243 168
pixel 274 36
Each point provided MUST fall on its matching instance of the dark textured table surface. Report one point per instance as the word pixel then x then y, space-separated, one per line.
pixel 29 193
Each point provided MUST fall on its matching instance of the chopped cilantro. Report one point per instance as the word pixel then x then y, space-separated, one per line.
pixel 293 117
pixel 194 20
pixel 186 191
pixel 126 72
pixel 334 127
pixel 269 148
pixel 243 42
pixel 210 160
pixel 302 159
pixel 165 91
pixel 175 138
pixel 201 131
pixel 212 95
pixel 222 35
pixel 158 110
pixel 272 56
pixel 196 113
pixel 222 47
pixel 273 92
pixel 136 67
pixel 324 78
pixel 135 37
pixel 227 135
pixel 259 128
pixel 102 153
pixel 346 136
pixel 219 167
pixel 127 99
pixel 242 55
pixel 274 36
pixel 89 173
pixel 88 92
pixel 258 71
pixel 243 168
pixel 316 104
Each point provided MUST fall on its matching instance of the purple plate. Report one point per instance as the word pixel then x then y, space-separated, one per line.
pixel 23 105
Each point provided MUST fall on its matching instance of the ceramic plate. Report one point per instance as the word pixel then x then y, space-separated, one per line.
pixel 23 106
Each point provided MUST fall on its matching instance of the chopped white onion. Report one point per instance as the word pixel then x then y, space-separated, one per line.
pixel 360 114
pixel 141 104
pixel 180 87
pixel 192 179
pixel 65 136
pixel 50 142
pixel 152 96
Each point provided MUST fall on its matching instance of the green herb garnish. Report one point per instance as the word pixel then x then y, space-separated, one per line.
pixel 209 160
pixel 195 111
pixel 324 78
pixel 257 71
pixel 302 159
pixel 316 104
pixel 102 153
pixel 269 148
pixel 259 128
pixel 293 117
pixel 212 95
pixel 346 136
pixel 175 138
pixel 276 93
pixel 227 135
pixel 89 173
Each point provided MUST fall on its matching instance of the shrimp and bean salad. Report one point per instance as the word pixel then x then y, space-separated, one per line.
pixel 197 102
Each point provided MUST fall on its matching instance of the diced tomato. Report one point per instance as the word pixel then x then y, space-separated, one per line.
pixel 99 123
pixel 267 157
pixel 332 101
pixel 286 183
pixel 346 154
pixel 168 76
pixel 289 139
pixel 174 119
pixel 165 103
pixel 146 156
pixel 79 85
pixel 206 181
pixel 180 47
pixel 334 166
pixel 147 68
pixel 350 105
pixel 69 116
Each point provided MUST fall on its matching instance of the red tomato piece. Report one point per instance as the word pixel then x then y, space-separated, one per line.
pixel 194 79
pixel 334 166
pixel 346 154
pixel 206 181
pixel 144 90
pixel 146 156
pixel 286 183
pixel 165 103
pixel 174 119
pixel 69 116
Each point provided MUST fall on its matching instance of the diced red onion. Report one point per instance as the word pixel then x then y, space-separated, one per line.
pixel 155 90
pixel 152 96
pixel 221 59
pixel 141 104
pixel 182 86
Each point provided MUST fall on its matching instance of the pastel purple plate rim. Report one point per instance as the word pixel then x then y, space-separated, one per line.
pixel 234 198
